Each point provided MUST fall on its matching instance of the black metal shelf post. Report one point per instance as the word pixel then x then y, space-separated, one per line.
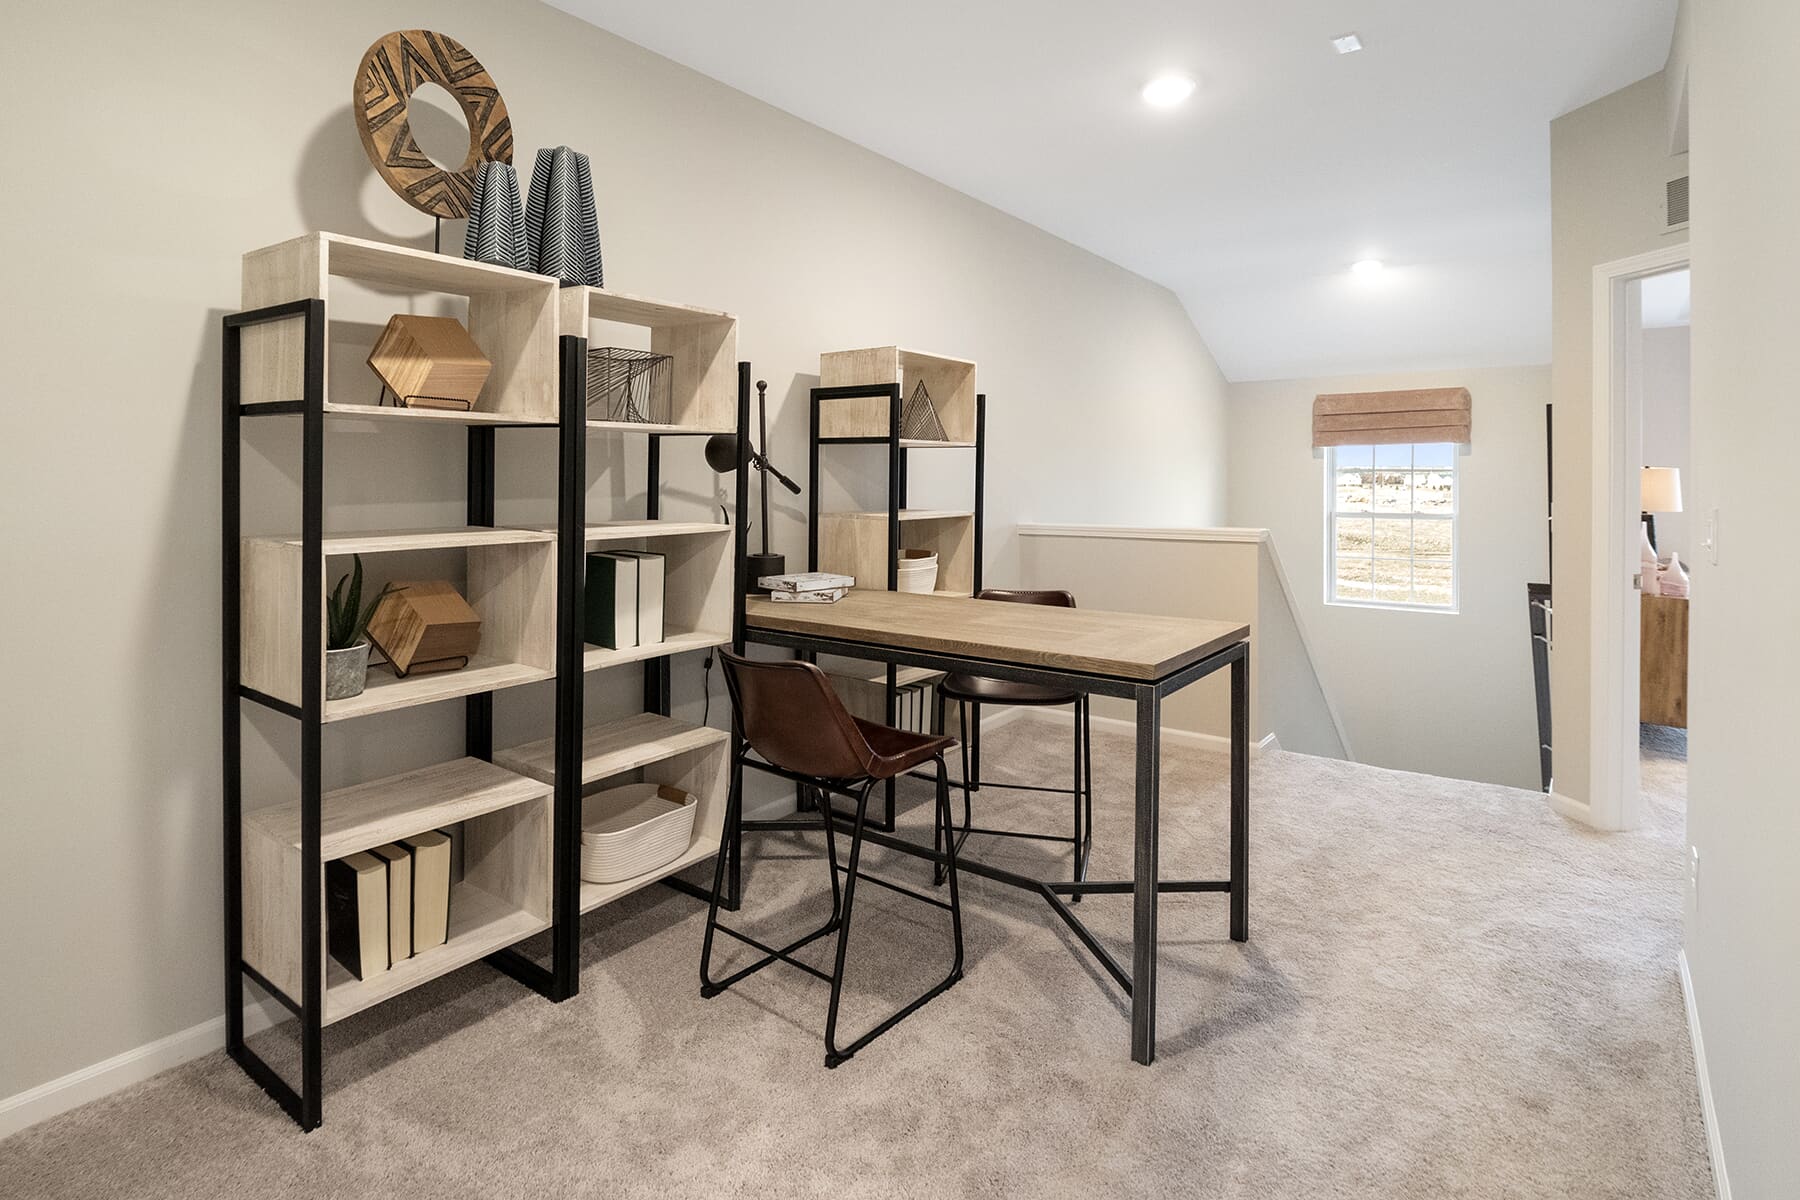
pixel 897 473
pixel 562 978
pixel 304 1103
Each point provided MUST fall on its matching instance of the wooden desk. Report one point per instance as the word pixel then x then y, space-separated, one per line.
pixel 1135 656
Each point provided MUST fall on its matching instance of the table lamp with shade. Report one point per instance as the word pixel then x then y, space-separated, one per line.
pixel 1659 491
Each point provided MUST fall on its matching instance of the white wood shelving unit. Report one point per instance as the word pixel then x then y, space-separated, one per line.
pixel 518 810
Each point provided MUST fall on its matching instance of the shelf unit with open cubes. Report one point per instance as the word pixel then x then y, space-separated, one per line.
pixel 519 811
pixel 860 401
pixel 276 365
pixel 703 587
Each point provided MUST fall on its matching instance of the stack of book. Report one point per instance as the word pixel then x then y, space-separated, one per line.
pixel 383 906
pixel 624 601
pixel 815 587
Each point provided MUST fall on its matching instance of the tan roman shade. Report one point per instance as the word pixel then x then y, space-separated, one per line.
pixel 1388 418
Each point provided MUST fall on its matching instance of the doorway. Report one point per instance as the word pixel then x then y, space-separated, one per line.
pixel 1638 667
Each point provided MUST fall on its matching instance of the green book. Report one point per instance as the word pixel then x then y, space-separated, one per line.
pixel 610 604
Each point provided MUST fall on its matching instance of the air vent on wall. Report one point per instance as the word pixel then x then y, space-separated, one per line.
pixel 1675 204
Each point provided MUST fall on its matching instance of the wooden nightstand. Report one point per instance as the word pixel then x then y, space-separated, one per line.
pixel 1663 661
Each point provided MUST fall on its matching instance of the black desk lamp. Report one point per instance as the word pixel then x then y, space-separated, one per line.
pixel 722 456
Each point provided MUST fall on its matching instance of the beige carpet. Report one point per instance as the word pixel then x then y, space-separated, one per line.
pixel 1662 775
pixel 1448 992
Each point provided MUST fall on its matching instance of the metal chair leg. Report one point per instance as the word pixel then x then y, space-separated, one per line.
pixel 1075 862
pixel 937 828
pixel 823 799
pixel 733 799
pixel 943 804
pixel 834 1055
pixel 963 745
pixel 710 987
pixel 973 730
pixel 1087 786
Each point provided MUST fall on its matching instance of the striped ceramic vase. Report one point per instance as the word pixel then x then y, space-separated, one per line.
pixel 496 219
pixel 564 233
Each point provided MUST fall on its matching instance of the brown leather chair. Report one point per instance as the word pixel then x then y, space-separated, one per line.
pixel 970 692
pixel 788 714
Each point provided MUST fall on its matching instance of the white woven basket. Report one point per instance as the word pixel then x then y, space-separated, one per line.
pixel 630 830
pixel 918 571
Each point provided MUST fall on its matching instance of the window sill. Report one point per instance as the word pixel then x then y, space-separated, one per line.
pixel 1395 606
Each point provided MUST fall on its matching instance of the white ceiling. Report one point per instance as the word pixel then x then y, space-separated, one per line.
pixel 1429 149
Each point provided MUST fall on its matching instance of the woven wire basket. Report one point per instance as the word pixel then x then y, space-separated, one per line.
pixel 630 385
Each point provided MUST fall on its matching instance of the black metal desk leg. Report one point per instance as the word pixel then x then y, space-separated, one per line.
pixel 1144 878
pixel 1240 798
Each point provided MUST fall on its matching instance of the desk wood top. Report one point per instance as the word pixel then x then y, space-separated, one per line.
pixel 1134 646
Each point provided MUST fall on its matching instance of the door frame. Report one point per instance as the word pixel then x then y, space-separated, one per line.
pixel 1614 800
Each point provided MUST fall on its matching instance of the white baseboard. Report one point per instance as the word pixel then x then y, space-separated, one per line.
pixel 1575 810
pixel 1715 1150
pixel 1170 736
pixel 122 1070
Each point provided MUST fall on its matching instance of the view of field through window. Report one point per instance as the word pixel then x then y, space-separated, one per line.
pixel 1391 524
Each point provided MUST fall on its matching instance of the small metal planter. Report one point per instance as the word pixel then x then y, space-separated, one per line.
pixel 346 671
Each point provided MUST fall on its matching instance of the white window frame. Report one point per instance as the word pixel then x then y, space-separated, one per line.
pixel 1454 519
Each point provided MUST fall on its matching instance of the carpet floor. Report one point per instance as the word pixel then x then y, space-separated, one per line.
pixel 1662 774
pixel 1448 992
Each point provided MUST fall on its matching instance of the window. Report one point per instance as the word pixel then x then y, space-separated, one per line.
pixel 1390 536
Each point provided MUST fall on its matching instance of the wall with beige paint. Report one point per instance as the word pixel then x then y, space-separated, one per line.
pixel 1608 163
pixel 124 238
pixel 1742 939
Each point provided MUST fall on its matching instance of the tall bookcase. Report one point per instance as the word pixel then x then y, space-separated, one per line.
pixel 860 401
pixel 518 809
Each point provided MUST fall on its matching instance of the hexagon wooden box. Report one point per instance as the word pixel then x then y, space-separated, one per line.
pixel 430 362
pixel 425 626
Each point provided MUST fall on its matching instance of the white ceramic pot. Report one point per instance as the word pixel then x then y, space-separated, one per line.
pixel 346 671
pixel 918 571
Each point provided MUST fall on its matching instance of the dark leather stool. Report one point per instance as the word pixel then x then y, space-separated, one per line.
pixel 788 714
pixel 970 692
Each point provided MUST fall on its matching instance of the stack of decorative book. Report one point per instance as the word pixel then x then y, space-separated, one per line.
pixel 387 904
pixel 814 587
pixel 624 600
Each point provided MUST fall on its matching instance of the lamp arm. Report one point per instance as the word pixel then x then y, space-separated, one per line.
pixel 763 464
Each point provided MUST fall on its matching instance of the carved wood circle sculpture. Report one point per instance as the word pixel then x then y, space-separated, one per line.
pixel 391 71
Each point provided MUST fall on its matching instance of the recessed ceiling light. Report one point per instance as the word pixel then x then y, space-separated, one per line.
pixel 1349 43
pixel 1166 91
pixel 1366 267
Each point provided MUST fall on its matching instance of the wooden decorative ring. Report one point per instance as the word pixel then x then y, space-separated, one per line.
pixel 390 72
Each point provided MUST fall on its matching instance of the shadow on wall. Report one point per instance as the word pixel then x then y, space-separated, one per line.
pixel 335 175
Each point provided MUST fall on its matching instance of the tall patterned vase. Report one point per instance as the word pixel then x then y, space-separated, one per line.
pixel 560 223
pixel 496 218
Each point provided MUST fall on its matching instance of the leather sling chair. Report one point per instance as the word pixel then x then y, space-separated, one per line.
pixel 788 714
pixel 970 692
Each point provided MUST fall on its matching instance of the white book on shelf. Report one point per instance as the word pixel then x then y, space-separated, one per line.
pixel 810 581
pixel 651 576
pixel 829 596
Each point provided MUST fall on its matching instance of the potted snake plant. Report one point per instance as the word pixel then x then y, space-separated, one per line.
pixel 346 640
